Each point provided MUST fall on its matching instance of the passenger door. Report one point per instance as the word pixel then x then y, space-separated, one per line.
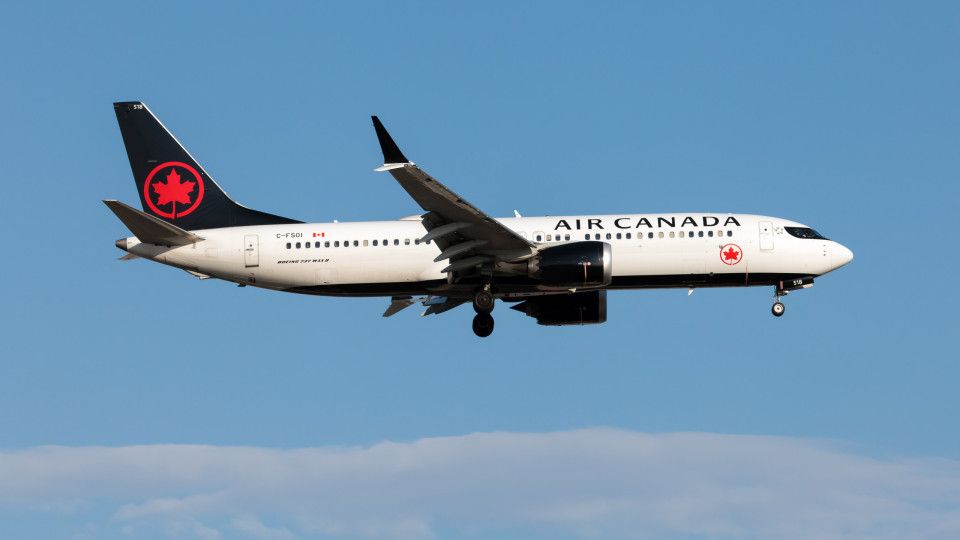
pixel 766 236
pixel 251 250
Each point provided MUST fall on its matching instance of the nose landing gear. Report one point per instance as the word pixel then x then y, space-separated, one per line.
pixel 483 303
pixel 778 308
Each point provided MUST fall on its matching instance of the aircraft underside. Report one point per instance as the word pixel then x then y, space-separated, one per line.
pixel 513 287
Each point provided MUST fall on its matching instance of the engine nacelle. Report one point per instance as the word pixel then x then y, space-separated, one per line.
pixel 575 265
pixel 567 309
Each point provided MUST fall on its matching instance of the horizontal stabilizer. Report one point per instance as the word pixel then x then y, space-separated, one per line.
pixel 149 229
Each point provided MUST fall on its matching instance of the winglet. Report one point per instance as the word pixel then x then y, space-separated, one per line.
pixel 391 153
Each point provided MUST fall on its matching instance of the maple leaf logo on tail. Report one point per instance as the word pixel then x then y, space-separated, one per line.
pixel 174 191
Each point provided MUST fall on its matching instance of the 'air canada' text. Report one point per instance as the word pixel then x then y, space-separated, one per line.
pixel 636 223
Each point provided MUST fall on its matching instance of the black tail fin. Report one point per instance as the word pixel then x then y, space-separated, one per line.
pixel 172 185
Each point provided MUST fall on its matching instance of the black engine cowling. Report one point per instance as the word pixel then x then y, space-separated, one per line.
pixel 579 264
pixel 567 309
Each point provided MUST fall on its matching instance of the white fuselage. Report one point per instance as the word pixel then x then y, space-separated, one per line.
pixel 386 258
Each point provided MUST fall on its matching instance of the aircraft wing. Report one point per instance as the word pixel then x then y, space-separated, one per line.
pixel 466 236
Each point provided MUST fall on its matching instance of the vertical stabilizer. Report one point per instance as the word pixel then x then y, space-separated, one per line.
pixel 172 185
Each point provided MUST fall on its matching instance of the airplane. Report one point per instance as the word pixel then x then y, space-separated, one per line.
pixel 556 270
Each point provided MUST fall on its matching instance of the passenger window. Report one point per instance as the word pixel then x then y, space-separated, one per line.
pixel 700 234
pixel 587 237
pixel 356 243
pixel 539 238
pixel 596 236
pixel 346 243
pixel 298 245
pixel 306 244
pixel 671 234
pixel 374 242
pixel 428 242
pixel 406 242
pixel 416 241
pixel 566 237
pixel 366 243
pixel 681 234
pixel 660 234
pixel 288 245
pixel 729 233
pixel 336 244
pixel 385 242
pixel 396 242
pixel 710 234
pixel 326 244
pixel 628 236
pixel 619 236
pixel 316 244
pixel 549 238
pixel 649 235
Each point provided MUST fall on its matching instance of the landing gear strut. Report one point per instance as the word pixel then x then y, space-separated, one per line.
pixel 778 307
pixel 483 302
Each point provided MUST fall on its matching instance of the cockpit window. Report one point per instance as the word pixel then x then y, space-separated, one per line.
pixel 804 232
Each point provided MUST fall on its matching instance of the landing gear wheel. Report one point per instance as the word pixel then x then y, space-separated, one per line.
pixel 778 309
pixel 483 301
pixel 483 324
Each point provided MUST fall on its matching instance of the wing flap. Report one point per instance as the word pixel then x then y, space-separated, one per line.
pixel 400 303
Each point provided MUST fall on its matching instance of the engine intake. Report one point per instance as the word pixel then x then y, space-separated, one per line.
pixel 580 264
pixel 566 309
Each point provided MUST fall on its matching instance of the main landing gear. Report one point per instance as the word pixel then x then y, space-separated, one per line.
pixel 778 308
pixel 483 302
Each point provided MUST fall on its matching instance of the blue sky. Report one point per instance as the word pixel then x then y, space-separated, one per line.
pixel 139 402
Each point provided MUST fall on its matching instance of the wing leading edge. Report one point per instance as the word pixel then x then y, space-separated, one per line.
pixel 467 237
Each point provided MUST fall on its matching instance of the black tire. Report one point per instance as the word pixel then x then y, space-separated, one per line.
pixel 483 325
pixel 483 301
pixel 778 309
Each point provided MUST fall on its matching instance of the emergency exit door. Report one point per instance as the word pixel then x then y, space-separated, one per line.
pixel 251 250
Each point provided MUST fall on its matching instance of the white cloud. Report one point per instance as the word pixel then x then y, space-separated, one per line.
pixel 602 483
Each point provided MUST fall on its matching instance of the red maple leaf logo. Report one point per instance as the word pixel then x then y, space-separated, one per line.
pixel 174 190
pixel 730 254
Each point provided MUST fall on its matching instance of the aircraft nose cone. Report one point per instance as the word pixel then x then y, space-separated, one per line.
pixel 841 256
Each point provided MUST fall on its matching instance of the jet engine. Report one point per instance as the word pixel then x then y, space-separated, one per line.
pixel 566 309
pixel 570 266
